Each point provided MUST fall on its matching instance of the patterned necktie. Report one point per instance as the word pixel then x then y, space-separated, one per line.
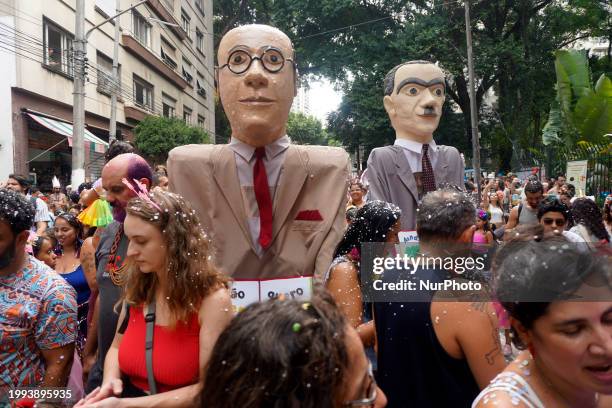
pixel 429 181
pixel 264 201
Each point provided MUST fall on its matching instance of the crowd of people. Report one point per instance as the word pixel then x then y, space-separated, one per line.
pixel 91 297
pixel 230 279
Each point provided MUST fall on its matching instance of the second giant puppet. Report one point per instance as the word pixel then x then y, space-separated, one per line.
pixel 404 172
pixel 274 210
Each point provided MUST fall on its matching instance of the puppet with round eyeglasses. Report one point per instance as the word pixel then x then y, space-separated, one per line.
pixel 404 172
pixel 274 210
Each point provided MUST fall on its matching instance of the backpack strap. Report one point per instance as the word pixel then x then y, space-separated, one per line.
pixel 150 326
pixel 518 216
pixel 125 321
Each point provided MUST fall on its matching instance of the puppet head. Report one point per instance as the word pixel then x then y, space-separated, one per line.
pixel 257 82
pixel 414 95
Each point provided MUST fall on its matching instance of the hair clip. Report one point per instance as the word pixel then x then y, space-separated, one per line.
pixel 296 327
pixel 142 193
pixel 305 305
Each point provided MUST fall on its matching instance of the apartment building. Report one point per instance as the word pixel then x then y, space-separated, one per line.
pixel 165 68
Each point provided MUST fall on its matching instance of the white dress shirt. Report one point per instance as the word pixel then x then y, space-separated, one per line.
pixel 414 153
pixel 245 163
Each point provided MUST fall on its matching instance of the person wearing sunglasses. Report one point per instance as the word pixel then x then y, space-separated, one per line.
pixel 290 353
pixel 553 215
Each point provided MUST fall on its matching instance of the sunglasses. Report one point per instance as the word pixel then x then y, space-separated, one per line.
pixel 558 222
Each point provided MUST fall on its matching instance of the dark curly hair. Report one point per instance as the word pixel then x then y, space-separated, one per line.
pixel 553 205
pixel 587 213
pixel 281 354
pixel 372 223
pixel 16 210
pixel 78 232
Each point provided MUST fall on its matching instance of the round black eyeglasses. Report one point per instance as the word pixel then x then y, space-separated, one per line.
pixel 271 59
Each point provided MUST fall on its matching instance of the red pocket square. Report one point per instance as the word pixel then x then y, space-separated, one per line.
pixel 309 215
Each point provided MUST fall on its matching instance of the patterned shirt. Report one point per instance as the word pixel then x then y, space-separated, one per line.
pixel 38 311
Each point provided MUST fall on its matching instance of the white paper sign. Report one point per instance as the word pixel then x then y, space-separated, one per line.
pixel 292 288
pixel 243 293
pixel 406 237
pixel 577 174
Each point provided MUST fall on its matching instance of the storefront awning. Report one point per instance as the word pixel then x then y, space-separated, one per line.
pixel 65 129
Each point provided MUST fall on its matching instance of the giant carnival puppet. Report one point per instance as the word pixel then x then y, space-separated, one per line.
pixel 274 210
pixel 415 165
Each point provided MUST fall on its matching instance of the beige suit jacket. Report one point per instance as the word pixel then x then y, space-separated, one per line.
pixel 312 178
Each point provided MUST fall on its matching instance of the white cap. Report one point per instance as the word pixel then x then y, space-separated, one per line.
pixel 55 182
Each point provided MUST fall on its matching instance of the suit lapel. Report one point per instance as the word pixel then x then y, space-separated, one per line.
pixel 292 179
pixel 226 176
pixel 441 169
pixel 405 173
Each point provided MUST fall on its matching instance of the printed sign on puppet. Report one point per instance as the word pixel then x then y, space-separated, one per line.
pixel 245 292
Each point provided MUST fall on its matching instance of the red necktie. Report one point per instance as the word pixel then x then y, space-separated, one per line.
pixel 264 201
pixel 429 181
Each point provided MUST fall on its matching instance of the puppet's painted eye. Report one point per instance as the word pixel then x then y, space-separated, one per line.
pixel 413 91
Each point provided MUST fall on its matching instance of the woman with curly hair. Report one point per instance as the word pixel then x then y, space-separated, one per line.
pixel 376 221
pixel 174 299
pixel 588 223
pixel 288 353
pixel 68 232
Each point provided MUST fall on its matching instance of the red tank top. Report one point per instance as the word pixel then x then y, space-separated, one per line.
pixel 176 353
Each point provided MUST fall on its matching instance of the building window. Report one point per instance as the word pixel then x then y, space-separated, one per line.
pixel 187 115
pixel 200 89
pixel 57 48
pixel 186 22
pixel 143 93
pixel 187 71
pixel 168 106
pixel 141 28
pixel 169 4
pixel 199 40
pixel 168 53
pixel 106 82
pixel 200 5
pixel 201 121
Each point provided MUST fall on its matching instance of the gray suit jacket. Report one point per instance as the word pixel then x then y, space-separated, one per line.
pixel 391 179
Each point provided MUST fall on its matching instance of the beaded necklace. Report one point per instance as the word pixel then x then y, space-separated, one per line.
pixel 116 273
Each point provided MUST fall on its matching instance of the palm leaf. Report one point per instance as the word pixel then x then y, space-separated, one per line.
pixel 573 78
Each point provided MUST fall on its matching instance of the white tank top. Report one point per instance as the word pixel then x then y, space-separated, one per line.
pixel 513 385
pixel 497 214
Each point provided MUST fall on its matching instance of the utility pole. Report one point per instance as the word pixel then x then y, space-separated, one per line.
pixel 80 66
pixel 112 128
pixel 473 107
pixel 78 107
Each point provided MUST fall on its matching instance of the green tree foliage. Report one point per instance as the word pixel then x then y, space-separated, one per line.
pixel 155 136
pixel 355 43
pixel 306 130
pixel 582 112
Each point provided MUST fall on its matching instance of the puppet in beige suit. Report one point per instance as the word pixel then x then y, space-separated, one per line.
pixel 307 184
pixel 403 173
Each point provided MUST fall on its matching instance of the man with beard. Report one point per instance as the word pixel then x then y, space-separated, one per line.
pixel 38 308
pixel 110 256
